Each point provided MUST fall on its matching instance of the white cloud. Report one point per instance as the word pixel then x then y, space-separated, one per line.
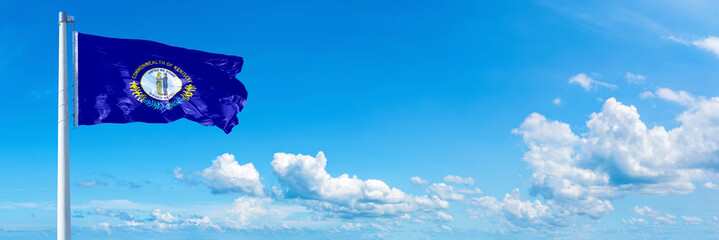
pixel 711 185
pixel 117 204
pixel 306 179
pixel 617 155
pixel 588 83
pixel 167 217
pixel 557 101
pixel 158 220
pixel 643 211
pixel 190 178
pixel 103 226
pixel 448 192
pixel 635 221
pixel 179 174
pixel 350 226
pixel 660 216
pixel 446 228
pixel 692 220
pixel 202 223
pixel 710 44
pixel 17 205
pixel 438 217
pixel 635 78
pixel 133 223
pixel 632 156
pixel 26 204
pixel 91 183
pixel 445 191
pixel 418 180
pixel 714 221
pixel 245 209
pixel 515 211
pixel 680 97
pixel 114 213
pixel 459 180
pixel 227 176
pixel 256 213
pixel 646 94
pixel 669 219
pixel 444 217
pixel 677 40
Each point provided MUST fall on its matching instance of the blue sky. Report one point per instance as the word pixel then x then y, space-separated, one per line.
pixel 451 120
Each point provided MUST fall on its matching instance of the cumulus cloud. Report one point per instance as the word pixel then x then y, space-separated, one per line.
pixel 660 216
pixel 635 78
pixel 619 152
pixel 710 44
pixel 588 83
pixel 444 217
pixel 448 192
pixel 158 221
pixel 133 223
pixel 227 176
pixel 444 228
pixel 459 180
pixel 438 217
pixel 350 226
pixel 179 174
pixel 515 211
pixel 557 101
pixel 579 175
pixel 305 178
pixel 635 221
pixel 245 209
pixel 103 226
pixel 186 177
pixel 680 97
pixel 259 212
pixel 711 185
pixel 418 180
pixel 166 217
pixel 692 220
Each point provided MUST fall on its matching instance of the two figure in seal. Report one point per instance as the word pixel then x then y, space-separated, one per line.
pixel 161 84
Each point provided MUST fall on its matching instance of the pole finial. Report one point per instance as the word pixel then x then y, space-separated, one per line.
pixel 63 17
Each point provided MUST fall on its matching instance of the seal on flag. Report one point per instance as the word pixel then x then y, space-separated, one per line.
pixel 161 84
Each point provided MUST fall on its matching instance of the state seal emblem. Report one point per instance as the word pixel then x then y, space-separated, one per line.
pixel 160 84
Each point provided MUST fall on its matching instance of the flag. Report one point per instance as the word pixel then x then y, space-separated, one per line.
pixel 124 80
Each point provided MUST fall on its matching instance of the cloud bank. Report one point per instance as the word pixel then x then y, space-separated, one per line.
pixel 579 175
pixel 304 178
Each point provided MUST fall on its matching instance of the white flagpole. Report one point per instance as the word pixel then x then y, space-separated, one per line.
pixel 63 156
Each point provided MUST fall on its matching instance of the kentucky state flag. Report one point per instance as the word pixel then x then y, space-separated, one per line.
pixel 123 80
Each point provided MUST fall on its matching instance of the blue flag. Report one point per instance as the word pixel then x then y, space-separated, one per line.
pixel 123 81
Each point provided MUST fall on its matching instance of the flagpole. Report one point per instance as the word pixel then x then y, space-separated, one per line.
pixel 63 156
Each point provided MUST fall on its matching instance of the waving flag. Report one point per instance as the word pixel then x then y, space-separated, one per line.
pixel 123 81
